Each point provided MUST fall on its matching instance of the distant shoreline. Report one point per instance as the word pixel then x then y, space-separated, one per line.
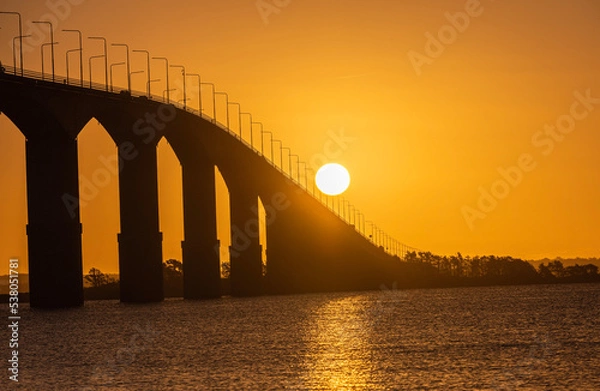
pixel 101 293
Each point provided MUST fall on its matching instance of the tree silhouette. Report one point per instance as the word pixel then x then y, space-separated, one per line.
pixel 96 278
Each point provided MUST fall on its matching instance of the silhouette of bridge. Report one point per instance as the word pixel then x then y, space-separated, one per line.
pixel 314 243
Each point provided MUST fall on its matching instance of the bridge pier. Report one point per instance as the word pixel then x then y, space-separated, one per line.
pixel 201 262
pixel 245 252
pixel 54 225
pixel 140 241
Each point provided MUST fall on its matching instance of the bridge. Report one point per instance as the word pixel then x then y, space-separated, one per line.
pixel 312 245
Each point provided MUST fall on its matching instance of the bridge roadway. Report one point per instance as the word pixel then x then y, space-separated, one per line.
pixel 309 248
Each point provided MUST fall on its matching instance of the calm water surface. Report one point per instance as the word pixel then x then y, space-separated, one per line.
pixel 495 338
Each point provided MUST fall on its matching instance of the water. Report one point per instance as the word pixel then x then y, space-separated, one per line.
pixel 493 338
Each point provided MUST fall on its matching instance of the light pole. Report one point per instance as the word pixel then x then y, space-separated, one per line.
pixel 250 115
pixel 126 62
pixel 105 55
pixel 42 55
pixel 274 140
pixel 21 36
pixel 166 60
pixel 184 88
pixel 166 92
pixel 261 133
pixel 214 100
pixel 305 177
pixel 289 158
pixel 239 116
pixel 136 72
pixel 80 54
pixel 297 168
pixel 312 190
pixel 111 73
pixel 147 68
pixel 51 45
pixel 90 66
pixel 226 106
pixel 199 92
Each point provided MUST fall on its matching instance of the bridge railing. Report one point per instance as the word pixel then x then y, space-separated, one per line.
pixel 391 246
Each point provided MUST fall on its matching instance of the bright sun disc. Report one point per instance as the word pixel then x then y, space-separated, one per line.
pixel 332 179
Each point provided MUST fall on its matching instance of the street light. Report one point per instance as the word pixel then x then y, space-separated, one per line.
pixel 137 72
pixel 166 60
pixel 226 106
pixel 199 92
pixel 111 73
pixel 184 88
pixel 239 116
pixel 261 133
pixel 297 167
pixel 214 100
pixel 126 62
pixel 251 145
pixel 52 43
pixel 289 158
pixel 166 92
pixel 305 176
pixel 21 36
pixel 105 55
pixel 42 55
pixel 90 66
pixel 147 68
pixel 80 54
pixel 280 151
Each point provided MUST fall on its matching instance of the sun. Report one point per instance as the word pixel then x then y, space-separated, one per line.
pixel 332 179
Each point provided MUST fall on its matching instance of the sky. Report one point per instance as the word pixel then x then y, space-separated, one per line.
pixel 466 126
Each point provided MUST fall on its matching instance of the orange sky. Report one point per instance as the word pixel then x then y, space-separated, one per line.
pixel 424 140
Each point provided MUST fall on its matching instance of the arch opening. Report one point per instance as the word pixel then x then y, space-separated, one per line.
pixel 13 208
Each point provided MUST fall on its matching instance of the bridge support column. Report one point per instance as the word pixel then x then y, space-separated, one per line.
pixel 140 241
pixel 245 251
pixel 201 263
pixel 54 225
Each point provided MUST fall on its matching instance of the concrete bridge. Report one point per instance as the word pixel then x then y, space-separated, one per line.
pixel 310 248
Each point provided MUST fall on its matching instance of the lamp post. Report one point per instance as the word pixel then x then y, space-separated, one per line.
pixel 105 55
pixel 42 56
pixel 90 66
pixel 184 87
pixel 250 115
pixel 226 106
pixel 52 43
pixel 147 53
pixel 214 99
pixel 111 73
pixel 297 168
pixel 199 92
pixel 239 116
pixel 136 72
pixel 289 158
pixel 126 62
pixel 67 60
pixel 305 177
pixel 312 191
pixel 20 37
pixel 80 54
pixel 165 94
pixel 274 140
pixel 166 60
pixel 261 132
